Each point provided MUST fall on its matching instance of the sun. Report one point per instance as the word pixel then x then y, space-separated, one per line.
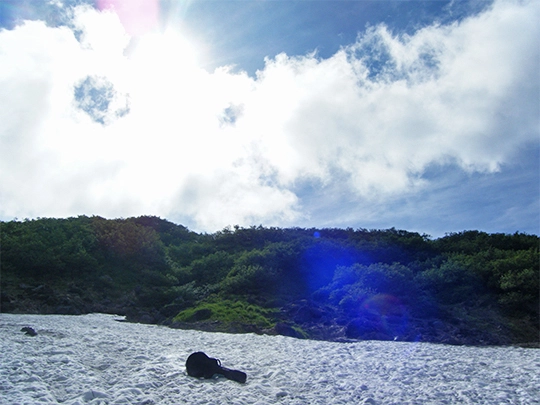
pixel 168 49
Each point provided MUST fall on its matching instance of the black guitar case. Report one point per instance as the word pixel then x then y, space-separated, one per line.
pixel 201 366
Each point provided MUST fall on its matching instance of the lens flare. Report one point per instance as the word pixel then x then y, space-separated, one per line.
pixel 137 16
pixel 320 261
pixel 389 312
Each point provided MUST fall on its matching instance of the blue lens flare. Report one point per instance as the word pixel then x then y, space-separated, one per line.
pixel 321 259
pixel 391 315
pixel 380 317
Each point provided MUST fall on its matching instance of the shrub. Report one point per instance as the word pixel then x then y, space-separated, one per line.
pixel 228 311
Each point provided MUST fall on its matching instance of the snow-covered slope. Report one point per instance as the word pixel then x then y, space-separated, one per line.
pixel 93 359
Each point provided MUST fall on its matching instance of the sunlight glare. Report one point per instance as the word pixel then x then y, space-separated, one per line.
pixel 137 16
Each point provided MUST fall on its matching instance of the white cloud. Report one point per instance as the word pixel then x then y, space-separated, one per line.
pixel 224 148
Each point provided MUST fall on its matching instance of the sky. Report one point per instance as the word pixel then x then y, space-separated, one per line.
pixel 418 115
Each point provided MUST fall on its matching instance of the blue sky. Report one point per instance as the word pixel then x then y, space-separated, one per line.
pixel 248 31
pixel 419 115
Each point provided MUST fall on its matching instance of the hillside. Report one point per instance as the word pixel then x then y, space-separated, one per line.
pixel 331 284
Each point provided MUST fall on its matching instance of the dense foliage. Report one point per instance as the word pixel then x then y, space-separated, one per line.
pixel 256 275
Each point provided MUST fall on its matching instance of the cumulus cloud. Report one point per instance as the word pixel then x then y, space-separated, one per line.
pixel 88 127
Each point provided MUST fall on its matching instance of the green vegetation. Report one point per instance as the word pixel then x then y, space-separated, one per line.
pixel 368 283
pixel 227 311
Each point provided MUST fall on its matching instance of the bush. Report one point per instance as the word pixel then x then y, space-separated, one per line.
pixel 228 311
pixel 252 279
pixel 188 294
pixel 451 283
pixel 211 269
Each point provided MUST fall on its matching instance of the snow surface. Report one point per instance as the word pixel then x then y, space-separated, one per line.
pixel 92 359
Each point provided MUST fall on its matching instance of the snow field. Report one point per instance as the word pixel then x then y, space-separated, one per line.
pixel 92 359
